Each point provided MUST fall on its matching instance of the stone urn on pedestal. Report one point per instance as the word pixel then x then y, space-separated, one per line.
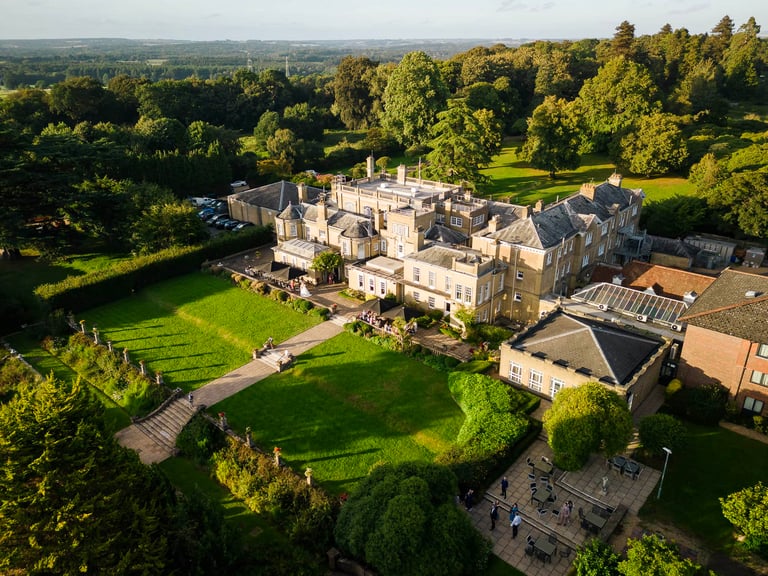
pixel 277 451
pixel 308 475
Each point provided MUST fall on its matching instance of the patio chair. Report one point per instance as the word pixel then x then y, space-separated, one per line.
pixel 529 550
pixel 552 539
pixel 565 552
pixel 552 497
pixel 636 475
pixel 544 478
pixel 530 540
pixel 532 476
pixel 556 513
pixel 542 513
pixel 533 486
pixel 529 462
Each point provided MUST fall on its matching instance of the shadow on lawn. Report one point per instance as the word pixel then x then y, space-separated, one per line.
pixel 346 454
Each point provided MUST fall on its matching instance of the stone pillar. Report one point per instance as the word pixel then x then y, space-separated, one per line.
pixel 277 451
pixel 109 346
pixel 126 356
pixel 96 336
pixel 256 353
pixel 143 367
pixel 223 420
pixel 82 326
pixel 308 475
pixel 159 378
pixel 248 437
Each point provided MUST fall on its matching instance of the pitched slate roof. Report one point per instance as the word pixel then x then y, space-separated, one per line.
pixel 673 246
pixel 276 196
pixel 566 218
pixel 440 233
pixel 443 256
pixel 603 351
pixel 725 307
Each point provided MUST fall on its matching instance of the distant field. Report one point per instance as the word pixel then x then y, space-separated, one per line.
pixel 195 328
pixel 515 181
pixel 346 405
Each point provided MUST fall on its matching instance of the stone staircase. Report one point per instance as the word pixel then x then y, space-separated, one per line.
pixel 164 424
pixel 272 358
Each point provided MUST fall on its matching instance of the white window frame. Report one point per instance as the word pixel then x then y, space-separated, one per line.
pixel 439 218
pixel 518 297
pixel 588 239
pixel 459 292
pixel 759 378
pixel 601 249
pixel 382 287
pixel 604 229
pixel 519 274
pixel 468 294
pixel 585 261
pixel 448 284
pixel 515 372
pixel 753 405
pixel 477 220
pixel 555 385
pixel 457 221
pixel 431 302
pixel 417 296
pixel 549 258
pixel 361 281
pixel 431 278
pixel 416 274
pixel 535 380
pixel 762 350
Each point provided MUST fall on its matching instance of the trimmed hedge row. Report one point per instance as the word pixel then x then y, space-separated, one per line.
pixel 306 514
pixel 77 293
pixel 137 394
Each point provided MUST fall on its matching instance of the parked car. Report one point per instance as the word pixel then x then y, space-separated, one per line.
pixel 242 225
pixel 206 213
pixel 230 224
pixel 222 222
pixel 213 220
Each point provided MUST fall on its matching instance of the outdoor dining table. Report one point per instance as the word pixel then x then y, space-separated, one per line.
pixel 595 520
pixel 631 468
pixel 544 467
pixel 540 497
pixel 545 547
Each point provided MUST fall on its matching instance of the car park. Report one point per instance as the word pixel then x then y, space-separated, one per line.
pixel 242 225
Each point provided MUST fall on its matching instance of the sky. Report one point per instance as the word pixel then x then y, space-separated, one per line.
pixel 362 19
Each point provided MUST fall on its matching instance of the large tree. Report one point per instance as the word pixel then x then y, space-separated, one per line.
pixel 743 200
pixel 552 142
pixel 414 95
pixel 619 95
pixel 747 510
pixel 403 521
pixel 463 142
pixel 353 101
pixel 655 146
pixel 652 556
pixel 741 61
pixel 584 420
pixel 71 500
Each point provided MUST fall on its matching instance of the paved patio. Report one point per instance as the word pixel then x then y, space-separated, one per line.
pixel 584 488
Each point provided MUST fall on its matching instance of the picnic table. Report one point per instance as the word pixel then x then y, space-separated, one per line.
pixel 544 467
pixel 595 520
pixel 632 469
pixel 540 497
pixel 545 549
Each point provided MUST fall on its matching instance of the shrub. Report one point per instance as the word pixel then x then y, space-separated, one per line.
pixel 199 439
pixel 706 404
pixel 302 305
pixel 747 510
pixel 674 386
pixel 662 430
pixel 305 513
pixel 280 295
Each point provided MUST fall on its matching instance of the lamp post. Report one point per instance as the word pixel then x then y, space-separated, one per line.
pixel 664 471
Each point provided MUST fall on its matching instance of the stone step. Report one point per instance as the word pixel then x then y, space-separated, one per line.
pixel 164 426
pixel 158 436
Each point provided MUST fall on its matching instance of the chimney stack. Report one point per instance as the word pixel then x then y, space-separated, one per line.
pixel 588 190
pixel 303 195
pixel 539 206
pixel 615 179
pixel 402 174
pixel 493 224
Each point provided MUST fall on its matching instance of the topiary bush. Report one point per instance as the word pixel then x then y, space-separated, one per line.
pixel 674 386
pixel 662 430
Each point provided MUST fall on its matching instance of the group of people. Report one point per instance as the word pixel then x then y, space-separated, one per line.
pixel 515 519
pixel 565 513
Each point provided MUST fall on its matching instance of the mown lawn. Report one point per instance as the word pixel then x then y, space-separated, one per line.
pixel 515 181
pixel 195 328
pixel 715 463
pixel 346 405
pixel 114 416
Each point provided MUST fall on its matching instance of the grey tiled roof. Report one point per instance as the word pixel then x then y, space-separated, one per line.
pixel 725 308
pixel 443 255
pixel 673 246
pixel 566 218
pixel 601 350
pixel 276 196
pixel 440 233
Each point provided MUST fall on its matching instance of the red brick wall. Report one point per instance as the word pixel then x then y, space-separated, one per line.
pixel 709 356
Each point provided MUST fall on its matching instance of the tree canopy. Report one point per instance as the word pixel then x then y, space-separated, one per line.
pixel 747 510
pixel 552 142
pixel 403 521
pixel 415 93
pixel 587 419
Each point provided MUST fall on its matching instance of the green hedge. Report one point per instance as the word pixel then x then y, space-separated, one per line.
pixel 138 394
pixel 306 514
pixel 77 293
pixel 495 423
